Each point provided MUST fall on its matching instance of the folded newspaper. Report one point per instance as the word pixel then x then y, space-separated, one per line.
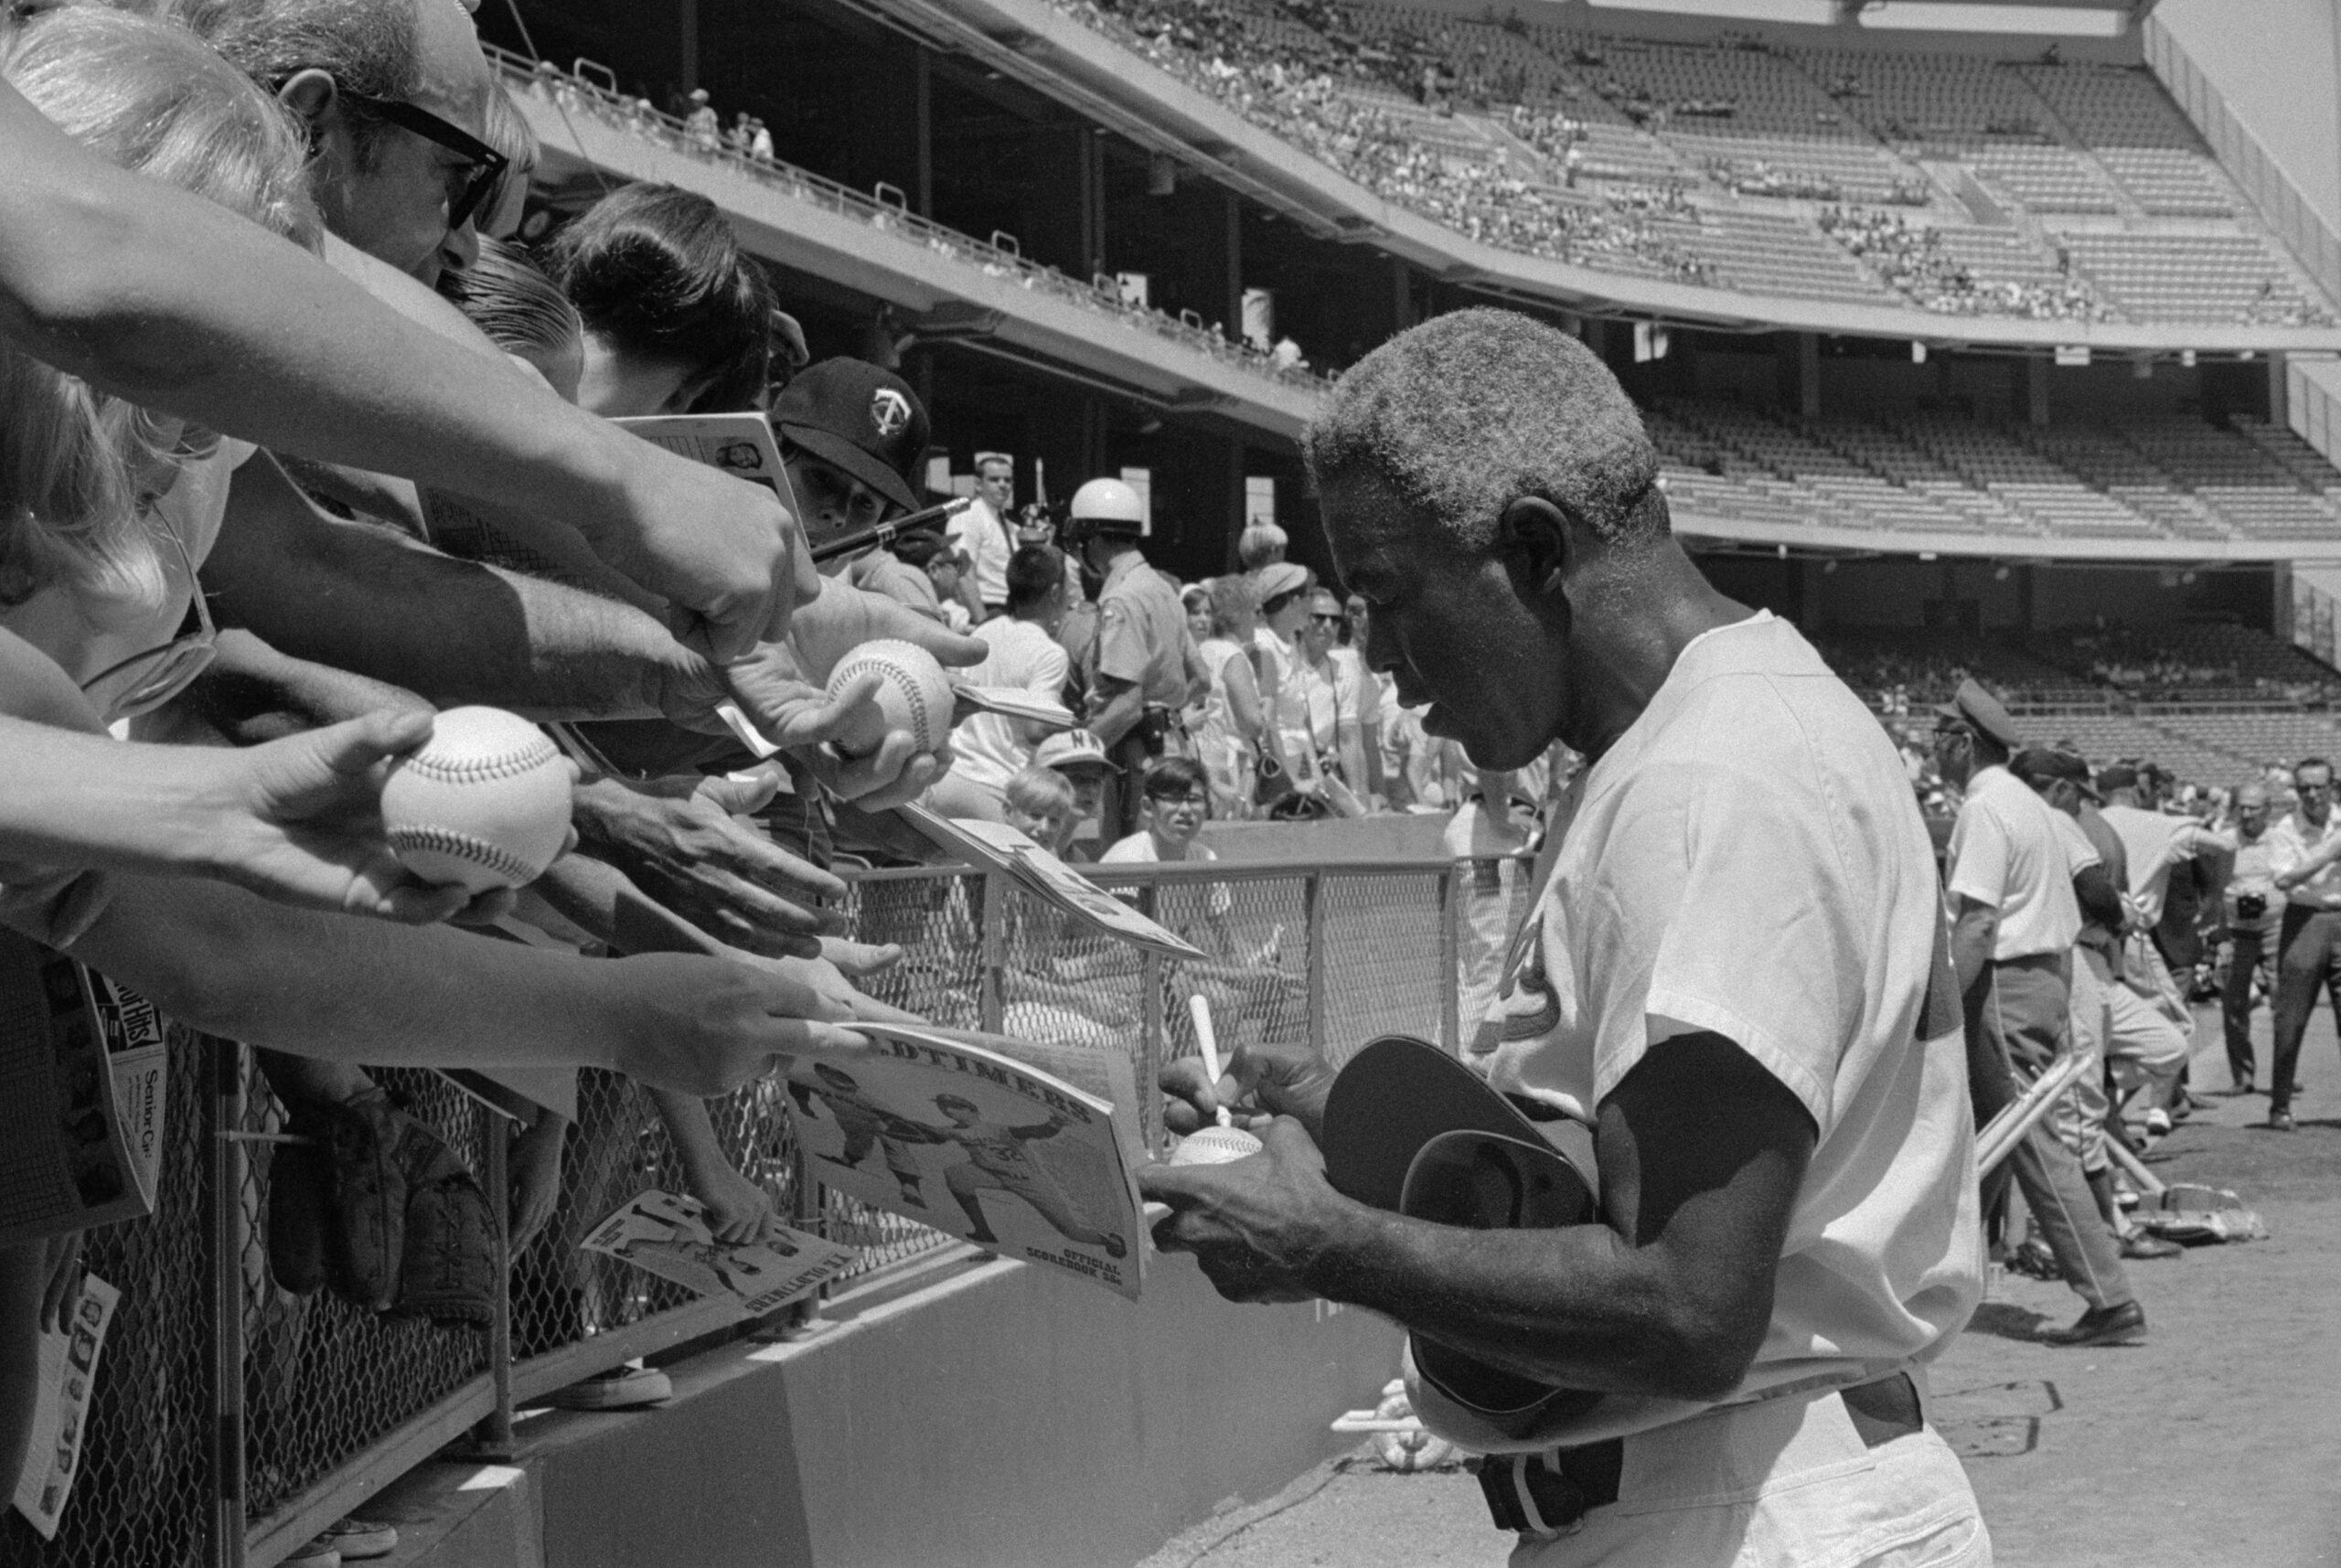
pixel 68 1371
pixel 1000 847
pixel 1022 1147
pixel 82 1088
pixel 669 1236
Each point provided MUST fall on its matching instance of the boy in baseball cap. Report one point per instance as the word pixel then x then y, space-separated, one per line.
pixel 1077 755
pixel 853 435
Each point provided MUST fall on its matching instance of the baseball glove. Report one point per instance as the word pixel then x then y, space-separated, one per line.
pixel 360 1138
pixel 448 1272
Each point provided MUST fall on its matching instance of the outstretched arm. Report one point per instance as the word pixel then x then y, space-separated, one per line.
pixel 173 302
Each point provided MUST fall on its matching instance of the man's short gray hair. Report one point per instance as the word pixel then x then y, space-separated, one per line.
pixel 371 48
pixel 1468 412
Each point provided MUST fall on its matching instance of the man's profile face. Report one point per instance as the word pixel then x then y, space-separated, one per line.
pixel 1452 625
pixel 394 204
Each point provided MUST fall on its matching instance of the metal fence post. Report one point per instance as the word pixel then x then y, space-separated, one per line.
pixel 804 1317
pixel 1450 911
pixel 227 1240
pixel 993 888
pixel 1152 1032
pixel 494 1433
pixel 1313 913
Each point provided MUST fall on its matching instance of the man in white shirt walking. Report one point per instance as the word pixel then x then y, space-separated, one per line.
pixel 2304 851
pixel 2014 923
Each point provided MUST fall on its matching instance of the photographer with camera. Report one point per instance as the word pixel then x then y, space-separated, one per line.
pixel 1138 670
pixel 2254 913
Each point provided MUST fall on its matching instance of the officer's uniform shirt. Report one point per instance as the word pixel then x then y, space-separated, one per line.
pixel 1142 632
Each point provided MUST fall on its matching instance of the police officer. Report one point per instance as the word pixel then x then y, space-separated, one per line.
pixel 1137 672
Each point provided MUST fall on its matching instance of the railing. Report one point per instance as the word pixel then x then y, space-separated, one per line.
pixel 2296 222
pixel 883 207
pixel 232 1422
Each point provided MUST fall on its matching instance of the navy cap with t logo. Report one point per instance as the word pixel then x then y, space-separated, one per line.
pixel 859 418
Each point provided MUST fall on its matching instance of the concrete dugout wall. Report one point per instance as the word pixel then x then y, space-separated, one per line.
pixel 1002 1417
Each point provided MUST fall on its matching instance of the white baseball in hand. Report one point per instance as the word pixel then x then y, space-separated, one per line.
pixel 482 804
pixel 914 695
pixel 1214 1145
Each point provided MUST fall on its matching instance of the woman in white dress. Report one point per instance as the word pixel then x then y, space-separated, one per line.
pixel 1235 729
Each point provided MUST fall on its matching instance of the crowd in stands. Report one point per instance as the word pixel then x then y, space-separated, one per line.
pixel 1911 257
pixel 1353 83
pixel 2088 669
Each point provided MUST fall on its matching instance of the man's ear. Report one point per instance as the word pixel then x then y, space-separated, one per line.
pixel 312 96
pixel 1539 541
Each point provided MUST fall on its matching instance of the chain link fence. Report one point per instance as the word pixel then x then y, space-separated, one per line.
pixel 227 1441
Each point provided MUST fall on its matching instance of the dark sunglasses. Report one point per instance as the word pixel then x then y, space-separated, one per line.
pixel 1329 620
pixel 488 164
pixel 1271 606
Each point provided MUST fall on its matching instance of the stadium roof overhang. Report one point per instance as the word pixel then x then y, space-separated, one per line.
pixel 1033 43
pixel 939 298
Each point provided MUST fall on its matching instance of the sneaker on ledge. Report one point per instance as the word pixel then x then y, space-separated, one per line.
pixel 620 1388
pixel 359 1539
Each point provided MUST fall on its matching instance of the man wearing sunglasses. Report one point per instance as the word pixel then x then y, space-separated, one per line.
pixel 1734 984
pixel 394 97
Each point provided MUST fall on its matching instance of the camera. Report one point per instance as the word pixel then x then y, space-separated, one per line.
pixel 2250 906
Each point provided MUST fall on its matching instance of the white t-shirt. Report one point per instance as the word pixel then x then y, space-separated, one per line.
pixel 1138 850
pixel 985 750
pixel 1746 859
pixel 985 539
pixel 2005 852
pixel 2156 842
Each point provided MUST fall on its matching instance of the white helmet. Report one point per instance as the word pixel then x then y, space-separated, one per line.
pixel 1108 506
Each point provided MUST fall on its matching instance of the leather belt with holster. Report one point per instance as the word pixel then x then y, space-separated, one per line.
pixel 1546 1494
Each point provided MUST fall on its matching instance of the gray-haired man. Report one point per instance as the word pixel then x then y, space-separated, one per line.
pixel 1735 983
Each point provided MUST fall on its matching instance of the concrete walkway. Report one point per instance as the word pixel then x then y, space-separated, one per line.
pixel 2215 1441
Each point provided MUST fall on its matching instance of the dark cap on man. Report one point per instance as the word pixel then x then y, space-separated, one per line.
pixel 1984 713
pixel 2045 764
pixel 858 418
pixel 2120 775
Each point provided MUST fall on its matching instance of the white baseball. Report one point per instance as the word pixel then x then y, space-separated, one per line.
pixel 913 695
pixel 484 804
pixel 1214 1145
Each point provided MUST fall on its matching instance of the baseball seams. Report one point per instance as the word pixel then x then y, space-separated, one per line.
pixel 905 683
pixel 473 770
pixel 405 841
